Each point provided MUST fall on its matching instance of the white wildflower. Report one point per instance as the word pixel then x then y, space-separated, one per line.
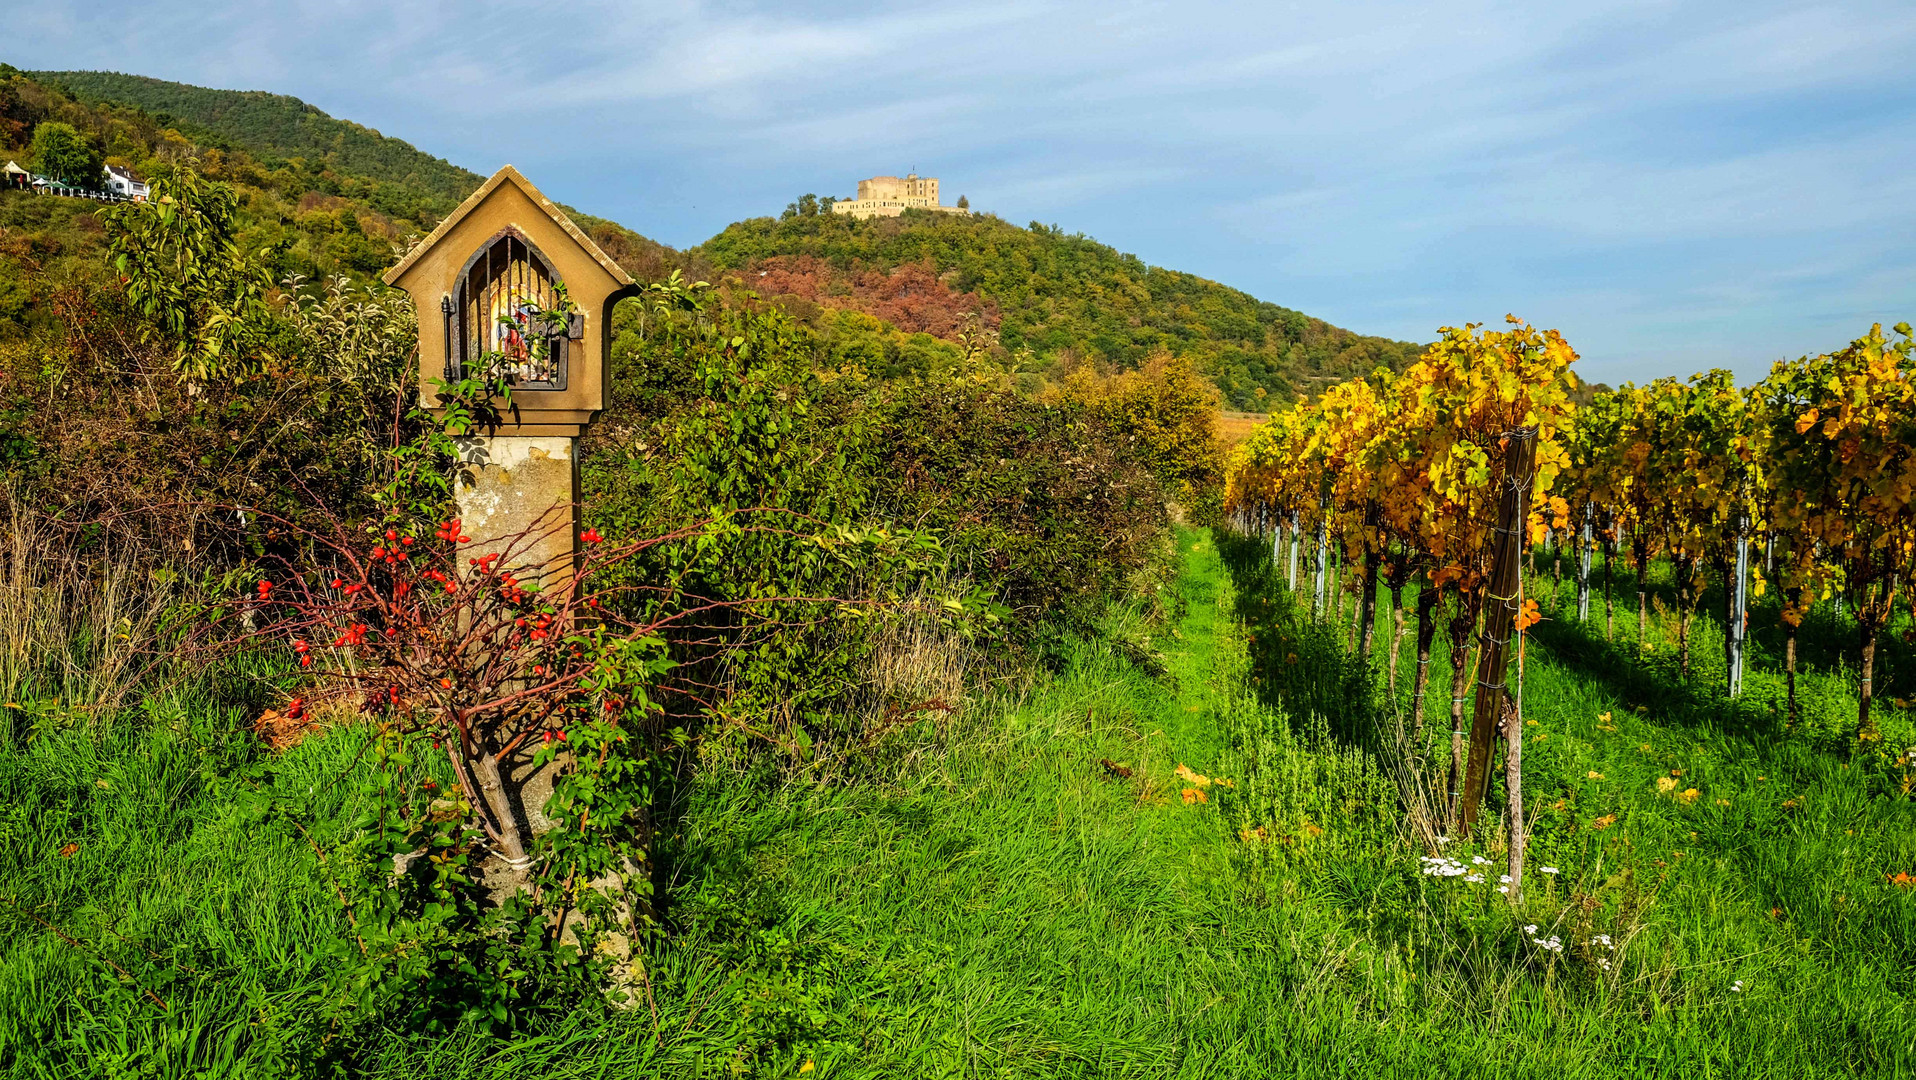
pixel 1475 879
pixel 1479 860
pixel 1546 869
pixel 1531 929
pixel 1505 879
pixel 1736 987
pixel 1505 889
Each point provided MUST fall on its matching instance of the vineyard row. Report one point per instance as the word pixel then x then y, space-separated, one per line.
pixel 1804 483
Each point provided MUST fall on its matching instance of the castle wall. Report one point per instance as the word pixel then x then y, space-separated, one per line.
pixel 890 196
pixel 869 208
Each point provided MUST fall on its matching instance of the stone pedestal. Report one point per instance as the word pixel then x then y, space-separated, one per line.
pixel 518 496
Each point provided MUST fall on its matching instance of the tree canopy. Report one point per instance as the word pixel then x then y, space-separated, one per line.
pixel 62 153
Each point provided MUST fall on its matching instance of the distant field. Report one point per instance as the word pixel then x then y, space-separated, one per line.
pixel 1235 427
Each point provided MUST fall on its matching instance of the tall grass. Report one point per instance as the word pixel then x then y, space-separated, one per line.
pixel 74 628
pixel 1026 890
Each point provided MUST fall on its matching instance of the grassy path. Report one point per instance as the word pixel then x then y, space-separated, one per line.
pixel 1007 904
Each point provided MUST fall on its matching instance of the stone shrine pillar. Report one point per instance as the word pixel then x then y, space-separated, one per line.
pixel 507 253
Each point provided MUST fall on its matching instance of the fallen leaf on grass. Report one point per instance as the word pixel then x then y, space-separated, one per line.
pixel 67 851
pixel 1185 774
pixel 1193 795
pixel 1604 822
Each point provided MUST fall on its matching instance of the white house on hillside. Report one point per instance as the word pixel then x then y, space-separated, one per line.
pixel 121 182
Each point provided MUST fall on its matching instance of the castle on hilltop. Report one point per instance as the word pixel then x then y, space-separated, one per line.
pixel 890 196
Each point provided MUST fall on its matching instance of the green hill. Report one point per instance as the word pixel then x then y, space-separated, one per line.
pixel 275 129
pixel 1062 297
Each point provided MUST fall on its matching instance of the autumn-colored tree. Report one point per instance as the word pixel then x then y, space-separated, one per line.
pixel 1846 480
pixel 1412 469
pixel 1479 388
pixel 1700 459
pixel 1416 463
pixel 1599 478
pixel 1168 411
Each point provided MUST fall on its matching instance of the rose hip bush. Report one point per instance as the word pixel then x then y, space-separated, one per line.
pixel 500 693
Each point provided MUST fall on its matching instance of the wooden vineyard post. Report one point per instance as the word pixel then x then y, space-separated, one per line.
pixel 1739 603
pixel 1609 593
pixel 1500 615
pixel 1513 773
pixel 1583 564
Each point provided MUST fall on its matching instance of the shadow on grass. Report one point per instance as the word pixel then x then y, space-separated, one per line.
pixel 1298 666
pixel 1698 705
pixel 1303 666
pixel 1827 642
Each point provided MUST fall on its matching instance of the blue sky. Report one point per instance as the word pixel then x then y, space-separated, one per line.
pixel 1674 185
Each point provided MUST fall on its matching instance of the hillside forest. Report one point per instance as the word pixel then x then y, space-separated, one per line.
pixel 935 692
